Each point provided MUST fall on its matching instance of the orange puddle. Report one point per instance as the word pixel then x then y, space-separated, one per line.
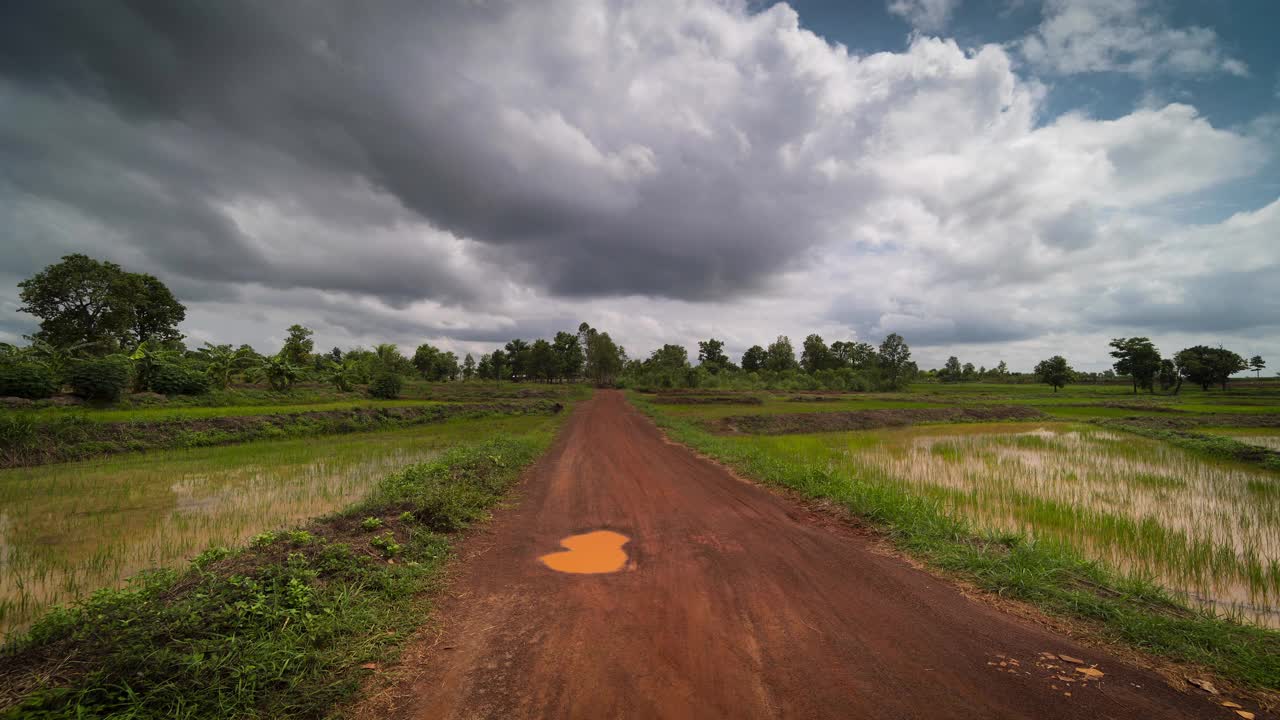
pixel 593 552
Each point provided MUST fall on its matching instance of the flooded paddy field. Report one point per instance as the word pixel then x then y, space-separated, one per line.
pixel 1207 531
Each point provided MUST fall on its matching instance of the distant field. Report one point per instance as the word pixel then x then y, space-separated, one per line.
pixel 195 412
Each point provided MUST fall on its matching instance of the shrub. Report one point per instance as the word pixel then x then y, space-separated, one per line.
pixel 27 380
pixel 99 379
pixel 171 379
pixel 386 386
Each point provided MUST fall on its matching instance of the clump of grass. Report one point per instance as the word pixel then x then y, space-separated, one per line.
pixel 277 629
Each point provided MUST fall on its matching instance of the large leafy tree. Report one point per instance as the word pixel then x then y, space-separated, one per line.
pixel 604 358
pixel 569 358
pixel 753 359
pixel 780 356
pixel 1138 358
pixel 711 356
pixel 542 363
pixel 82 301
pixel 298 346
pixel 815 355
pixel 952 371
pixel 895 362
pixel 1206 366
pixel 517 358
pixel 1055 372
pixel 1257 364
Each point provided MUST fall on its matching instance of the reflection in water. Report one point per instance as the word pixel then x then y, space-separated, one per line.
pixel 1207 530
pixel 67 530
pixel 594 552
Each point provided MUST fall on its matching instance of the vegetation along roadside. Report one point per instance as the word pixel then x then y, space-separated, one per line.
pixel 288 626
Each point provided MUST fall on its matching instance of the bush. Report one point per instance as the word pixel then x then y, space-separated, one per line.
pixel 386 386
pixel 27 380
pixel 171 379
pixel 100 379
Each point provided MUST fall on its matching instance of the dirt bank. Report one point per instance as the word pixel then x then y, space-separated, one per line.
pixel 733 603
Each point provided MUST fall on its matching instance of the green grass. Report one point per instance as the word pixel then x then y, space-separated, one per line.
pixel 1052 575
pixel 163 413
pixel 76 527
pixel 277 629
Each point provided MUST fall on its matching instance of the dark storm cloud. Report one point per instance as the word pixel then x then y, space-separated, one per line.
pixel 267 96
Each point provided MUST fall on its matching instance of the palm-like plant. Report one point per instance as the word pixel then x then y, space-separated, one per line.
pixel 343 375
pixel 223 363
pixel 279 373
pixel 57 359
pixel 146 358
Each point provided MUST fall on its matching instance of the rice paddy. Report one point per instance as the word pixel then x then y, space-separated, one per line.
pixel 69 529
pixel 1207 531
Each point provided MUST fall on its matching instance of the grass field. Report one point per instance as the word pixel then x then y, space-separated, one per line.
pixel 160 413
pixel 1089 513
pixel 69 529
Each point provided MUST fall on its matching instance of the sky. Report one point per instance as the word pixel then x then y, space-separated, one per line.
pixel 992 179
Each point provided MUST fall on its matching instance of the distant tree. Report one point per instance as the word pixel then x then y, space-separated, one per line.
pixel 542 363
pixel 432 363
pixel 951 371
pixel 753 359
pixel 1054 372
pixel 517 358
pixel 711 356
pixel 468 367
pixel 895 362
pixel 335 354
pixel 298 346
pixel 1257 364
pixel 498 365
pixel 569 355
pixel 1206 366
pixel 604 358
pixel 81 300
pixel 1138 358
pixel 969 372
pixel 392 360
pixel 1168 376
pixel 779 356
pixel 1001 371
pixel 279 373
pixel 815 355
pixel 484 368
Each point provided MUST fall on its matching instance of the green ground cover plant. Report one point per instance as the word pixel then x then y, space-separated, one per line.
pixel 285 627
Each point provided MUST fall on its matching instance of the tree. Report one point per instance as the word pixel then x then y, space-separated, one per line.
pixel 498 365
pixel 604 358
pixel 298 345
pixel 1001 371
pixel 1256 364
pixel 895 362
pixel 433 364
pixel 518 358
pixel 1054 372
pixel 156 312
pixel 815 355
pixel 951 371
pixel 279 373
pixel 542 363
pixel 81 300
pixel 1206 366
pixel 753 359
pixel 711 356
pixel 569 357
pixel 468 367
pixel 1138 358
pixel 779 356
pixel 1169 375
pixel 392 360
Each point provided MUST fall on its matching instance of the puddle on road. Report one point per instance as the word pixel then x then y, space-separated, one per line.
pixel 594 552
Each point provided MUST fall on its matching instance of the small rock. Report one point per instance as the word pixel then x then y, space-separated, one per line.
pixel 1245 714
pixel 1204 685
pixel 1073 661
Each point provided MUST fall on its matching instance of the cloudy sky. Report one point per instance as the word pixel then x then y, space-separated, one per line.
pixel 997 179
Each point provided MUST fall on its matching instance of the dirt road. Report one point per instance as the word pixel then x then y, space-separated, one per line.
pixel 733 604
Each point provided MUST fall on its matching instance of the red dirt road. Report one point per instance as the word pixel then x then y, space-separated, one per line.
pixel 734 604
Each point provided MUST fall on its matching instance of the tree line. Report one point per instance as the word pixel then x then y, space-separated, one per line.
pixel 104 330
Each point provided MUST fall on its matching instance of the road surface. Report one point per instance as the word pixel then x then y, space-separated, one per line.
pixel 733 603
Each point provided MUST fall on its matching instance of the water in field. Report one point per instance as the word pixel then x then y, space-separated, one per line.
pixel 1206 530
pixel 67 530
